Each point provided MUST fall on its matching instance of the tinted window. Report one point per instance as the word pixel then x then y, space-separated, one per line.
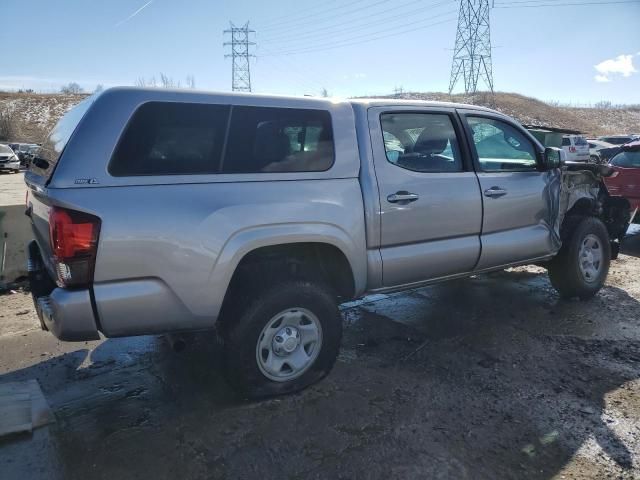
pixel 422 142
pixel 166 138
pixel 265 139
pixel 580 141
pixel 629 159
pixel 500 146
pixel 566 141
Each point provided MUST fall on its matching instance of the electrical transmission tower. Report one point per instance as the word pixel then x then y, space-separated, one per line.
pixel 241 74
pixel 472 53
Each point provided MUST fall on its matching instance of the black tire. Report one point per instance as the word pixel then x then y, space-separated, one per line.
pixel 243 332
pixel 564 270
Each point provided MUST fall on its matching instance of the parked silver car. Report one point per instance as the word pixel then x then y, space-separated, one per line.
pixel 9 161
pixel 595 147
pixel 618 139
pixel 165 211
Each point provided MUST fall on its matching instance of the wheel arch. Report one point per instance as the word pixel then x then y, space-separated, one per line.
pixel 341 258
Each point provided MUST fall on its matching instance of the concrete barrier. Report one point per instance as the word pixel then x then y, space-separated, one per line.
pixel 15 232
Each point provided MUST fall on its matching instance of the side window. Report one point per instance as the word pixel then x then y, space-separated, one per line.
pixel 500 146
pixel 166 138
pixel 265 139
pixel 422 142
pixel 566 142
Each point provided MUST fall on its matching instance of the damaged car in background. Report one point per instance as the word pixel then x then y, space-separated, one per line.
pixel 160 211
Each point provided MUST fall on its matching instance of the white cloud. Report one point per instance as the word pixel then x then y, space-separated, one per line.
pixel 609 69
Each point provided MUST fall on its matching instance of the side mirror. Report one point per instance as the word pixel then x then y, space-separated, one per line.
pixel 553 158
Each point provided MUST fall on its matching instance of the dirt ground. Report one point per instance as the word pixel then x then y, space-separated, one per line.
pixel 490 377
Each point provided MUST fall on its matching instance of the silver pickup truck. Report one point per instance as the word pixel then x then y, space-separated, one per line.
pixel 158 211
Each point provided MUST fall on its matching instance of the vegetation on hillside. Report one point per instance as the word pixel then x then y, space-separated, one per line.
pixel 27 116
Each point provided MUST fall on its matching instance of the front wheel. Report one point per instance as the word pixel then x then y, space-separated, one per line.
pixel 286 339
pixel 581 267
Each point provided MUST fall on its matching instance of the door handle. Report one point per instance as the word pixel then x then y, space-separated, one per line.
pixel 495 192
pixel 402 197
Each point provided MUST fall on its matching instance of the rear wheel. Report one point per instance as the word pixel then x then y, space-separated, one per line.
pixel 286 339
pixel 581 267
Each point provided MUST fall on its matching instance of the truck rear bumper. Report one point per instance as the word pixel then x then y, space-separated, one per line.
pixel 68 314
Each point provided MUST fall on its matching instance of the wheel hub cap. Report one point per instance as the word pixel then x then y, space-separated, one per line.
pixel 289 344
pixel 286 340
pixel 590 258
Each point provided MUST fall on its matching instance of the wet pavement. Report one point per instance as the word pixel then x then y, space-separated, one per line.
pixel 489 377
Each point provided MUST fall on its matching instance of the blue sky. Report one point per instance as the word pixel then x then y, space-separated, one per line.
pixel 550 53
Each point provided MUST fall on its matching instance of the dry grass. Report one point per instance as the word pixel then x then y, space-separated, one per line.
pixel 527 110
pixel 33 115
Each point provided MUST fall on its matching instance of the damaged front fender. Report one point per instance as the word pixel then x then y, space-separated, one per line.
pixel 580 190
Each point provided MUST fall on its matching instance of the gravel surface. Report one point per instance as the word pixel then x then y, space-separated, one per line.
pixel 490 377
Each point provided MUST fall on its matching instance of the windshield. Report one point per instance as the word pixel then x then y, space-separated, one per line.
pixel 54 144
pixel 4 149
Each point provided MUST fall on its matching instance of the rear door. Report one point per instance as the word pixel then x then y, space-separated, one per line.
pixel 517 223
pixel 430 204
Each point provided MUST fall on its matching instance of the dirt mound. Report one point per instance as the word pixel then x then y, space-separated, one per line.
pixel 530 111
pixel 32 115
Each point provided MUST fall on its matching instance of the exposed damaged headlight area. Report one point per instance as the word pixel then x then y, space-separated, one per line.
pixel 582 192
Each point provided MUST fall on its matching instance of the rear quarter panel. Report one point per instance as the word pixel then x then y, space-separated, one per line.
pixel 169 244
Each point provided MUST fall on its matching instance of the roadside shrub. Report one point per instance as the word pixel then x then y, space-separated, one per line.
pixel 6 125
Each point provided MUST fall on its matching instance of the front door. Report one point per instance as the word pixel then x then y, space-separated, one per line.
pixel 517 224
pixel 430 203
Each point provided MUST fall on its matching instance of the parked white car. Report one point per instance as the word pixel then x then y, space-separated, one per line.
pixel 577 148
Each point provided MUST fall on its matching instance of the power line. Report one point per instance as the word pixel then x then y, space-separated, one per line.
pixel 318 18
pixel 515 4
pixel 286 19
pixel 350 41
pixel 323 31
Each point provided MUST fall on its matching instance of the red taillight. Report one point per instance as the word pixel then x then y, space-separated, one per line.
pixel 572 149
pixel 74 242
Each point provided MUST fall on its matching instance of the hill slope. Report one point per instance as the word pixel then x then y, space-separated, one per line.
pixel 32 115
